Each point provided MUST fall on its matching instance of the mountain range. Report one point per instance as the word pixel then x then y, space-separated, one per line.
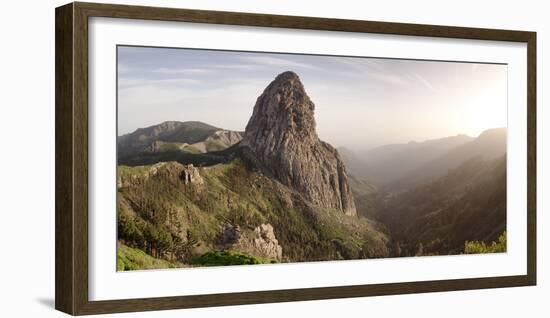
pixel 174 136
pixel 192 194
pixel 401 166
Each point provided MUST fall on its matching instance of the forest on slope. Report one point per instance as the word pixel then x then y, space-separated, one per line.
pixel 447 199
pixel 191 194
pixel 232 207
pixel 183 215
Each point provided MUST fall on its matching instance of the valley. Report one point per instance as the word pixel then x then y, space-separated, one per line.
pixel 191 194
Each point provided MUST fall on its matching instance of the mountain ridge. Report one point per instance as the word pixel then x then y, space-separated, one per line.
pixel 399 166
pixel 490 144
pixel 186 136
pixel 386 163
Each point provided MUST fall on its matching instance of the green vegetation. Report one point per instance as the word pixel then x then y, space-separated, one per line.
pixel 169 146
pixel 170 219
pixel 220 258
pixel 125 171
pixel 163 146
pixel 477 247
pixel 190 155
pixel 133 259
pixel 153 214
pixel 191 149
pixel 161 214
pixel 436 218
pixel 365 194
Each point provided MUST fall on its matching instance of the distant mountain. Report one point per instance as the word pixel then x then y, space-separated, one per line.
pixel 174 136
pixel 400 166
pixel 466 204
pixel 489 145
pixel 388 163
pixel 219 140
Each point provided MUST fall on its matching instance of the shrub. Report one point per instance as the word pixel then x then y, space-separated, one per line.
pixel 476 247
pixel 221 258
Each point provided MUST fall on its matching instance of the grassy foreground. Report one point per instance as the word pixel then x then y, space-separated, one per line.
pixel 129 259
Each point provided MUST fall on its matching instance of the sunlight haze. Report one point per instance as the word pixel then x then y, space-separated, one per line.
pixel 359 102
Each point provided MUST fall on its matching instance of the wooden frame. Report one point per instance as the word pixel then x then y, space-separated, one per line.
pixel 71 90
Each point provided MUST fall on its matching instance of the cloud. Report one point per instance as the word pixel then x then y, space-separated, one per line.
pixel 241 63
pixel 391 79
pixel 125 83
pixel 359 63
pixel 277 62
pixel 368 69
pixel 190 71
pixel 244 67
pixel 359 101
pixel 228 106
pixel 423 81
pixel 123 69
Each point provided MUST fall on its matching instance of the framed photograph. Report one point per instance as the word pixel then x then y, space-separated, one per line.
pixel 211 158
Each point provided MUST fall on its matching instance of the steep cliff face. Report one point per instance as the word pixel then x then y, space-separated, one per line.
pixel 281 134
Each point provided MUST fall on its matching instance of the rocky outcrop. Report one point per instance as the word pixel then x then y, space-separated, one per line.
pixel 265 242
pixel 281 134
pixel 188 174
pixel 231 234
pixel 259 242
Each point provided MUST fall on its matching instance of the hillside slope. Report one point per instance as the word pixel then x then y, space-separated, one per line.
pixel 278 195
pixel 178 212
pixel 467 204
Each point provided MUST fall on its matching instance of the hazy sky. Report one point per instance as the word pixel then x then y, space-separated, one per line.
pixel 359 102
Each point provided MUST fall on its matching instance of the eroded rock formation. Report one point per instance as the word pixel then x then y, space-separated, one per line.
pixel 281 134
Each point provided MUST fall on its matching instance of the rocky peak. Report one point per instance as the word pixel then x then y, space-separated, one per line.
pixel 281 134
pixel 283 111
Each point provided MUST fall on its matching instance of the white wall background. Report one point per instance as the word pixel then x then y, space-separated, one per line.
pixel 27 158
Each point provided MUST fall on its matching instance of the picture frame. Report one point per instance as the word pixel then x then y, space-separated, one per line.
pixel 72 92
